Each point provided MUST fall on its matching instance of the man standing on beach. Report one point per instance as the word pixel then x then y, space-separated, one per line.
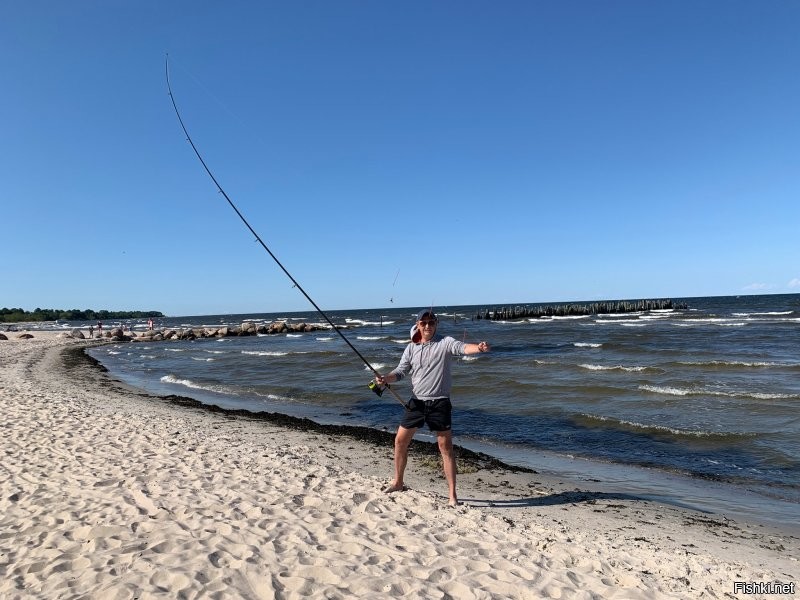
pixel 428 358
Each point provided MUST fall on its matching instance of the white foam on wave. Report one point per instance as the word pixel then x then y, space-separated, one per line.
pixel 273 397
pixel 613 368
pixel 370 337
pixel 362 322
pixel 325 339
pixel 716 322
pixel 294 335
pixel 669 391
pixel 376 366
pixel 764 396
pixel 664 428
pixel 264 353
pixel 672 391
pixel 587 345
pixel 193 384
pixel 736 363
pixel 199 359
pixel 769 314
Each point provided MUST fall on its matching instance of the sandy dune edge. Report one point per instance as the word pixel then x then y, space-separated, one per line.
pixel 105 493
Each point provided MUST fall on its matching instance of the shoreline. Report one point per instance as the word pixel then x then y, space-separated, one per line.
pixel 674 488
pixel 112 491
pixel 366 435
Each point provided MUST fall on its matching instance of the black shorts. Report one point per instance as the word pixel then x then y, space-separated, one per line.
pixel 436 413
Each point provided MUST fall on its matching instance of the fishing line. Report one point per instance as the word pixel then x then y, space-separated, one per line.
pixel 263 245
pixel 395 281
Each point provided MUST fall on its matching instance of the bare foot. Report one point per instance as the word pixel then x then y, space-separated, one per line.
pixel 453 502
pixel 394 488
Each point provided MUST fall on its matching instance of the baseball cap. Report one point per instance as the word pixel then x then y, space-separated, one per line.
pixel 426 312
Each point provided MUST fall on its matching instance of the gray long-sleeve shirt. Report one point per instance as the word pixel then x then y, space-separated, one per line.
pixel 429 365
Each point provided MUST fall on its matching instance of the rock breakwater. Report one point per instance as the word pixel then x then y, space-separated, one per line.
pixel 192 333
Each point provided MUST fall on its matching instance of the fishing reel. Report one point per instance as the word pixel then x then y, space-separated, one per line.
pixel 377 388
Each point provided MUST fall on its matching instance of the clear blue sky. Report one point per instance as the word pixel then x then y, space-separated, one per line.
pixel 491 152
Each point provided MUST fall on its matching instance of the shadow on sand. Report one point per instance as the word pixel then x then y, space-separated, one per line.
pixel 560 498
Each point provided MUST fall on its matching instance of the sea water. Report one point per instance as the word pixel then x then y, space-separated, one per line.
pixel 647 399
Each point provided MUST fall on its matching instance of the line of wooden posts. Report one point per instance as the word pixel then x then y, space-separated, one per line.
pixel 508 313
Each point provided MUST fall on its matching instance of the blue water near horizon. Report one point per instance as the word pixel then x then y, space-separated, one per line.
pixel 710 392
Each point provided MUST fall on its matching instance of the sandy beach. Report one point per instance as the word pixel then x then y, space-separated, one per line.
pixel 106 492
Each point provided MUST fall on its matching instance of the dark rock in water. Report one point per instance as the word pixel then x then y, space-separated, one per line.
pixel 277 327
pixel 25 336
pixel 77 334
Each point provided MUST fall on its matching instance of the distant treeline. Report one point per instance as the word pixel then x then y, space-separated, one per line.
pixel 507 313
pixel 17 315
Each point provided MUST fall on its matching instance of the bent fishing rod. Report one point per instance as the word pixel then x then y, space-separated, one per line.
pixel 372 386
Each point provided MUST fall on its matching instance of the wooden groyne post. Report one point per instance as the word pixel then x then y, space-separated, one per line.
pixel 510 313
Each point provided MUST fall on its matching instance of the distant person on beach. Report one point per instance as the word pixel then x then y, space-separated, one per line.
pixel 150 324
pixel 91 331
pixel 427 358
pixel 99 329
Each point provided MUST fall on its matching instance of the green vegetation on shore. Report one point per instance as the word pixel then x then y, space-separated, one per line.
pixel 17 315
